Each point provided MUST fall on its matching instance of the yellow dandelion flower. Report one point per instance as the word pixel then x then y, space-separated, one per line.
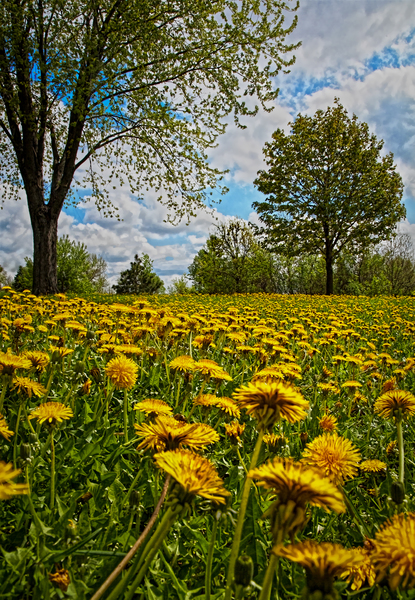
pixel 351 385
pixel 394 555
pixel 335 455
pixel 39 359
pixel 7 487
pixel 268 374
pixel 166 433
pixel 298 483
pixel 195 474
pixel 328 388
pixel 61 579
pixel 322 561
pixel 27 386
pixel 59 352
pixel 326 372
pixel 153 407
pixel 390 384
pixel 127 349
pixel 227 405
pixel 269 402
pixel 234 430
pixel 9 363
pixel 395 403
pixel 328 423
pixel 204 400
pixel 51 413
pixel 209 368
pixel 183 364
pixel 361 574
pixel 122 372
pixel 391 447
pixel 4 429
pixel 373 466
pixel 274 441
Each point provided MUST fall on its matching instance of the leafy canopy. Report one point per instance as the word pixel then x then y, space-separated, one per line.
pixel 231 262
pixel 130 90
pixel 139 278
pixel 328 187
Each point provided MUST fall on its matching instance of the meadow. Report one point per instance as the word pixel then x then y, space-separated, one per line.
pixel 203 447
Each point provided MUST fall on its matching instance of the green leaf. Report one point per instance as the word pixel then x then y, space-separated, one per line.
pixel 61 555
pixel 253 540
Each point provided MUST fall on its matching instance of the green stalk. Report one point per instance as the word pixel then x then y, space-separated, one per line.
pixel 401 450
pixel 179 385
pixel 33 512
pixel 269 576
pixel 241 517
pixel 208 573
pixel 119 569
pixel 125 416
pixel 52 472
pixel 155 543
pixel 355 515
pixel 19 412
pixel 6 380
pixel 127 495
pixel 118 591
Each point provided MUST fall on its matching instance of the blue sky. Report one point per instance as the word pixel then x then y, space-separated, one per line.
pixel 362 51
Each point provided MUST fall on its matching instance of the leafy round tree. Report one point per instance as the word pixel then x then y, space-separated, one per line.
pixel 92 90
pixel 328 187
pixel 139 278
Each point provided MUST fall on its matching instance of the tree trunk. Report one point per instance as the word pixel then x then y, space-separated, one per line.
pixel 329 270
pixel 45 237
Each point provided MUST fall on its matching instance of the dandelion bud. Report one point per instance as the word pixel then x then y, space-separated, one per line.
pixel 244 570
pixel 32 438
pixel 397 492
pixel 79 367
pixel 26 452
pixel 134 499
pixel 96 374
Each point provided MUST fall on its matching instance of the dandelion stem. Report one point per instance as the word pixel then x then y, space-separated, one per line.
pixel 401 450
pixel 125 416
pixel 116 572
pixel 152 548
pixel 269 576
pixel 16 431
pixel 355 515
pixel 208 573
pixel 241 517
pixel 52 471
pixel 6 380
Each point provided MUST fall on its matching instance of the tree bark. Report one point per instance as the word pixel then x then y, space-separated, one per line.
pixel 45 237
pixel 329 270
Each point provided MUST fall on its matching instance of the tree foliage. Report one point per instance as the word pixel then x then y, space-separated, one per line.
pixel 328 188
pixel 231 262
pixel 139 278
pixel 78 271
pixel 95 90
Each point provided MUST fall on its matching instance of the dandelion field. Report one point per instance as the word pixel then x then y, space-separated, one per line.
pixel 204 447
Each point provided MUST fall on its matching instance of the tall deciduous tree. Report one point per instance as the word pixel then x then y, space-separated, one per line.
pixel 328 187
pixel 135 89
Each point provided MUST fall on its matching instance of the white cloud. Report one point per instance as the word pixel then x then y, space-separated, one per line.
pixel 337 36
